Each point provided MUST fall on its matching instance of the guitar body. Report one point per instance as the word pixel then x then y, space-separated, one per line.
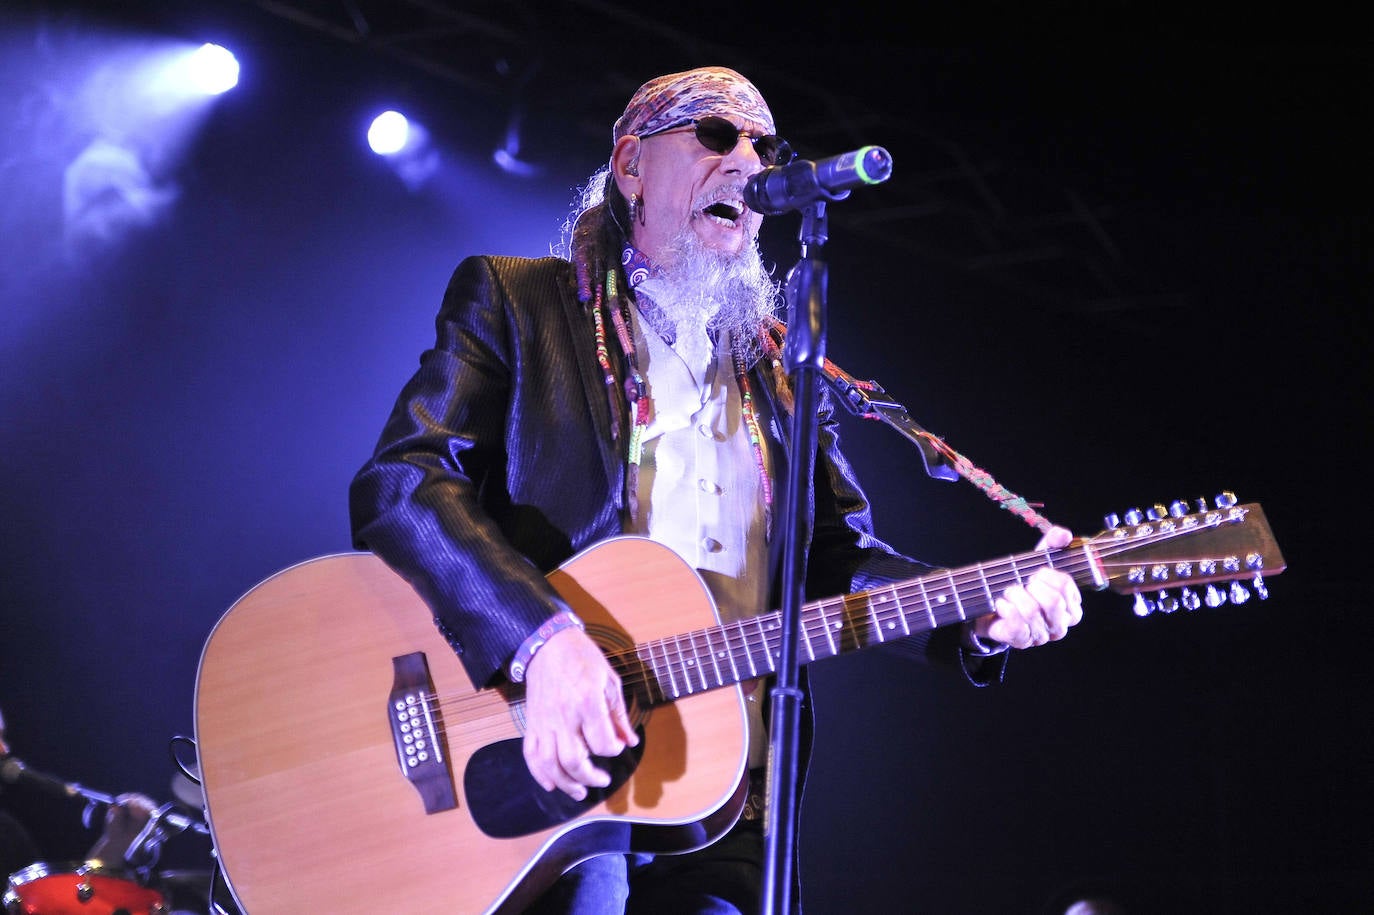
pixel 310 808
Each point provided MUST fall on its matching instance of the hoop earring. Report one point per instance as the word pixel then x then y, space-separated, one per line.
pixel 636 209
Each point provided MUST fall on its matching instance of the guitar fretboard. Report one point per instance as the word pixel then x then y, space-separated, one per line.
pixel 681 665
pixel 664 670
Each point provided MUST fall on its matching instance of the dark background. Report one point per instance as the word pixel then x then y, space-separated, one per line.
pixel 1124 257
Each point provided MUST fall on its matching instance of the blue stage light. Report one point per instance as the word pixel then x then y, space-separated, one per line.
pixel 213 69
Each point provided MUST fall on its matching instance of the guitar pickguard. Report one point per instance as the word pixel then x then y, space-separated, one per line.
pixel 505 801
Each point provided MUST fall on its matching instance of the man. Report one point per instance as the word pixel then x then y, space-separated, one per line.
pixel 635 387
pixel 17 846
pixel 118 847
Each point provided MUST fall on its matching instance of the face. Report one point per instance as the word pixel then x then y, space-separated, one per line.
pixel 682 184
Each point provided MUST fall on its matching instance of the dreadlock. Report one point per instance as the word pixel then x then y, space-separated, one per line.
pixel 594 234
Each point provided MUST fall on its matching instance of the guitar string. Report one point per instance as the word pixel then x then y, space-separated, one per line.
pixel 864 627
pixel 718 656
pixel 693 668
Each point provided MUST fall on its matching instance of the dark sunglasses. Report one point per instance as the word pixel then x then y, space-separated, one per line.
pixel 720 136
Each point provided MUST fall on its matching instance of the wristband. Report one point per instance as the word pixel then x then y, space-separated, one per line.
pixel 565 619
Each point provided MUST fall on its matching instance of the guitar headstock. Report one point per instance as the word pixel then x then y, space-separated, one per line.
pixel 1183 552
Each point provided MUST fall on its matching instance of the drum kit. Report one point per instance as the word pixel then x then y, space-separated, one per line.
pixel 44 889
pixel 125 880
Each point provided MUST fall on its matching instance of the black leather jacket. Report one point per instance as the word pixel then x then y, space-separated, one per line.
pixel 498 463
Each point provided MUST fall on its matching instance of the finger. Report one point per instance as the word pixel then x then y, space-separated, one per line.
pixel 1019 623
pixel 553 764
pixel 620 716
pixel 1054 538
pixel 578 771
pixel 1050 606
pixel 600 726
pixel 1061 603
pixel 1075 599
pixel 539 761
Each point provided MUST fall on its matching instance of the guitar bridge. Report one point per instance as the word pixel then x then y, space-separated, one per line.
pixel 417 731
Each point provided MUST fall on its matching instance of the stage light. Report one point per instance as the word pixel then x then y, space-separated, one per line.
pixel 508 156
pixel 405 146
pixel 213 69
pixel 389 134
pixel 133 106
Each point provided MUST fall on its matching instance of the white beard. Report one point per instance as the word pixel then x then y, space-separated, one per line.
pixel 698 289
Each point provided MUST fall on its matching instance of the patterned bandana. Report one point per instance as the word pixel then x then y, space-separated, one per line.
pixel 676 98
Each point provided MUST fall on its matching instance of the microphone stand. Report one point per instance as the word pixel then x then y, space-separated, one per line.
pixel 804 358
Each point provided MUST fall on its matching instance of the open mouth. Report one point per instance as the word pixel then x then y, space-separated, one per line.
pixel 728 211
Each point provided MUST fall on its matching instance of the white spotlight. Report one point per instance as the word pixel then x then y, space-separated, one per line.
pixel 389 133
pixel 404 145
pixel 213 69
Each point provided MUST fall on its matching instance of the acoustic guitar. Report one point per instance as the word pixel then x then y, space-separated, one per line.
pixel 349 766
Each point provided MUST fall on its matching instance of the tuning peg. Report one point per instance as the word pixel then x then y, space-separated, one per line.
pixel 1226 499
pixel 1134 516
pixel 1215 597
pixel 1201 504
pixel 1142 606
pixel 1112 520
pixel 1190 599
pixel 1156 512
pixel 1260 587
pixel 1238 593
pixel 1178 508
pixel 1167 602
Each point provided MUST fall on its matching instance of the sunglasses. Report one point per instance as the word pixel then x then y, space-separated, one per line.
pixel 720 136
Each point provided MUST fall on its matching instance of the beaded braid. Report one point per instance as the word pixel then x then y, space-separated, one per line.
pixel 594 233
pixel 751 423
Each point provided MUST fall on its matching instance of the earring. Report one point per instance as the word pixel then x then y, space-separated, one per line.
pixel 636 209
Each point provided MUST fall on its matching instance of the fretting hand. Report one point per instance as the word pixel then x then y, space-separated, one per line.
pixel 1039 611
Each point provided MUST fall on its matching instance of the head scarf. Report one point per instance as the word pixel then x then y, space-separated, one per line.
pixel 673 99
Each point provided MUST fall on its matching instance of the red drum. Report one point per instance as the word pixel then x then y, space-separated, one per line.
pixel 85 889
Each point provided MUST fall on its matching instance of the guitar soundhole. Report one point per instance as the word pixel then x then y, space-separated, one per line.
pixel 637 680
pixel 505 801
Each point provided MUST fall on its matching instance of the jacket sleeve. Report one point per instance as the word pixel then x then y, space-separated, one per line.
pixel 433 500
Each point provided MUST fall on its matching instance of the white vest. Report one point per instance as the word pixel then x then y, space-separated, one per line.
pixel 699 488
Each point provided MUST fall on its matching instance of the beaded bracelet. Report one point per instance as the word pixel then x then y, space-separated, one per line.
pixel 565 619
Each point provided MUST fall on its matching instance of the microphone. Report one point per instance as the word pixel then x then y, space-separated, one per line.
pixel 14 772
pixel 780 188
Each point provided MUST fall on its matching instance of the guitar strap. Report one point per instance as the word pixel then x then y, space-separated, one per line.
pixel 942 461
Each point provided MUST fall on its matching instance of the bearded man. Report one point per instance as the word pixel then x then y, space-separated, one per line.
pixel 634 386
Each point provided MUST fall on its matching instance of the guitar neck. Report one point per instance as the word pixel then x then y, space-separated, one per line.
pixel 1211 546
pixel 682 665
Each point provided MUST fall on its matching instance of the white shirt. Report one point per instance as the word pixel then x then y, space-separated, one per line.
pixel 699 487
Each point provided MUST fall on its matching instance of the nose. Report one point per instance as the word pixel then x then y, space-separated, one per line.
pixel 743 159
